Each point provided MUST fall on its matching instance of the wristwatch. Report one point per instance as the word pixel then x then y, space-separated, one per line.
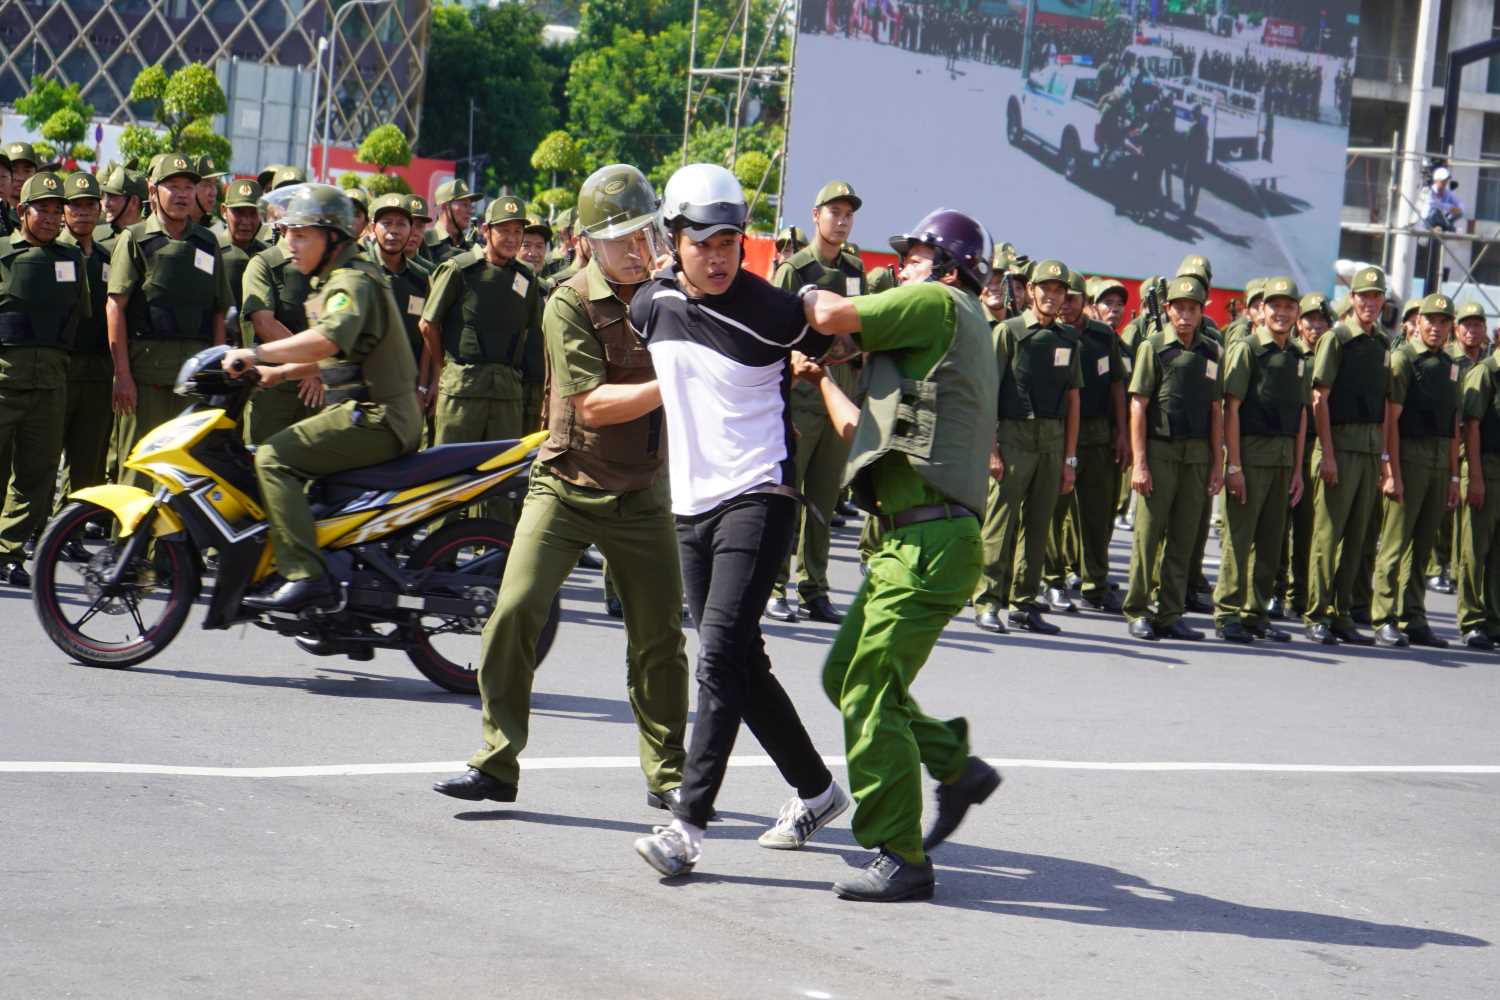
pixel 1385 456
pixel 1071 461
pixel 1233 470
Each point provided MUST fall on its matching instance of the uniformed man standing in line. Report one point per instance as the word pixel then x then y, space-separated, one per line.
pixel 420 220
pixel 1251 317
pixel 535 239
pixel 168 293
pixel 7 224
pixel 45 296
pixel 820 453
pixel 237 242
pixel 273 293
pixel 533 254
pixel 449 237
pixel 600 479
pixel 23 164
pixel 484 305
pixel 1350 382
pixel 206 192
pixel 1084 520
pixel 1265 423
pixel 565 249
pixel 790 240
pixel 1132 335
pixel 1036 452
pixel 1200 599
pixel 360 199
pixel 1313 320
pixel 89 418
pixel 1479 553
pixel 1467 347
pixel 390 222
pixel 1420 475
pixel 1176 430
pixel 124 201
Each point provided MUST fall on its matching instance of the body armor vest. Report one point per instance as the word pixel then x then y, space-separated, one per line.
pixel 1182 404
pixel 1033 385
pixel 1273 403
pixel 292 289
pixel 1432 397
pixel 475 340
pixel 176 300
pixel 1357 395
pixel 41 311
pixel 1094 342
pixel 1489 426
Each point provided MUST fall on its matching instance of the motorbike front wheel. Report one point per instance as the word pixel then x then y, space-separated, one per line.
pixel 110 625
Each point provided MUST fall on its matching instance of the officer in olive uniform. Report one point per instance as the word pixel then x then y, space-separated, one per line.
pixel 390 224
pixel 563 252
pixel 449 237
pixel 820 454
pixel 484 305
pixel 89 418
pixel 1176 428
pixel 536 238
pixel 789 241
pixel 420 220
pixel 274 179
pixel 1250 318
pixel 45 296
pixel 1468 346
pixel 1420 475
pixel 1350 382
pixel 206 193
pixel 168 293
pixel 237 242
pixel 360 199
pixel 23 164
pixel 1265 423
pixel 1313 321
pixel 600 479
pixel 124 203
pixel 1479 561
pixel 1200 592
pixel 1036 451
pixel 273 297
pixel 533 254
pixel 1084 519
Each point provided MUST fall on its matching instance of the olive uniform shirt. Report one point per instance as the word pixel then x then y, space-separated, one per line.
pixel 1364 439
pixel 1145 382
pixel 1403 371
pixel 1260 450
pixel 522 310
pixel 45 368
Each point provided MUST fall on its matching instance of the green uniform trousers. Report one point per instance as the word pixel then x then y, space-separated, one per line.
pixel 1197 579
pixel 1084 522
pixel 1408 531
pixel 87 426
pixel 820 459
pixel 636 533
pixel 1018 515
pixel 273 411
pixel 321 445
pixel 1296 549
pixel 31 430
pixel 1364 576
pixel 1479 556
pixel 154 406
pixel 1166 529
pixel 1341 528
pixel 1445 547
pixel 1254 535
pixel 919 578
pixel 532 398
pixel 464 419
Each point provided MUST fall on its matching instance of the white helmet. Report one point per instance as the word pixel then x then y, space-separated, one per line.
pixel 702 199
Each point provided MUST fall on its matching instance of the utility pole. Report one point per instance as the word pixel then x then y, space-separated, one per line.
pixel 1404 251
pixel 472 183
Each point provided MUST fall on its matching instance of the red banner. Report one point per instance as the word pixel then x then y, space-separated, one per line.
pixel 1283 33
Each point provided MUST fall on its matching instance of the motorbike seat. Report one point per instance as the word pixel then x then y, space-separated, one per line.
pixel 418 467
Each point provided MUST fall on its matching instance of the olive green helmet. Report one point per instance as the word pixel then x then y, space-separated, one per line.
pixel 321 205
pixel 615 201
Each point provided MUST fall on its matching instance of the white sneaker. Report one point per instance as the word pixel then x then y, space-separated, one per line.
pixel 668 851
pixel 796 824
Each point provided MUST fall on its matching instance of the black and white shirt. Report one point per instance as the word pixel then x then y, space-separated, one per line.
pixel 722 364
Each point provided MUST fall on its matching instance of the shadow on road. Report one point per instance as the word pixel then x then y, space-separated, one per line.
pixel 329 681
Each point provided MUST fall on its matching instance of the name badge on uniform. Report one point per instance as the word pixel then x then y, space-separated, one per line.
pixel 203 261
pixel 64 270
pixel 1301 367
pixel 1103 367
pixel 414 305
pixel 851 287
pixel 1061 357
pixel 521 284
pixel 1453 373
pixel 1213 370
pixel 106 270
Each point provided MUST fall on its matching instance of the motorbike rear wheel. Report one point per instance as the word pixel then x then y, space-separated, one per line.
pixel 132 621
pixel 451 549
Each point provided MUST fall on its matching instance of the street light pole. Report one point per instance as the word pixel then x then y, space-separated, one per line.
pixel 312 111
pixel 472 183
pixel 333 45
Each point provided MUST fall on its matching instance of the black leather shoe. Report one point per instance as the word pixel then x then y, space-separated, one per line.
pixel 1362 617
pixel 1031 620
pixel 476 786
pixel 1142 628
pixel 1108 601
pixel 587 560
pixel 1180 630
pixel 820 609
pixel 13 573
pixel 73 551
pixel 779 610
pixel 318 593
pixel 989 620
pixel 614 608
pixel 1270 632
pixel 1476 639
pixel 838 521
pixel 1276 609
pixel 1059 601
pixel 1321 634
pixel 1424 636
pixel 1234 632
pixel 1351 636
pixel 977 783
pixel 669 800
pixel 1198 604
pixel 888 879
pixel 1122 523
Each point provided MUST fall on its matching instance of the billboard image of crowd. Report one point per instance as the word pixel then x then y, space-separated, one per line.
pixel 1117 135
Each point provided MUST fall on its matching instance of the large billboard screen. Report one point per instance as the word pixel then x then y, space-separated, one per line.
pixel 1140 130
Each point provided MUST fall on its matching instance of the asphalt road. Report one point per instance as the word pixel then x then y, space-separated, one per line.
pixel 1120 859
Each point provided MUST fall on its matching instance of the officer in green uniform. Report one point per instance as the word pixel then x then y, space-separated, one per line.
pixel 420 220
pixel 1265 426
pixel 1251 317
pixel 168 293
pixel 23 164
pixel 360 199
pixel 1176 428
pixel 790 240
pixel 820 453
pixel 1200 592
pixel 237 242
pixel 535 240
pixel 1084 519
pixel 1350 383
pixel 89 418
pixel 390 222
pixel 449 237
pixel 600 479
pixel 357 346
pixel 1420 475
pixel 1313 320
pixel 1408 329
pixel 1479 561
pixel 563 252
pixel 533 254
pixel 1036 451
pixel 7 225
pixel 1469 346
pixel 45 296
pixel 274 179
pixel 484 305
pixel 124 201
pixel 273 296
pixel 206 192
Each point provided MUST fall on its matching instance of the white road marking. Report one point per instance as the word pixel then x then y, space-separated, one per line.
pixel 605 763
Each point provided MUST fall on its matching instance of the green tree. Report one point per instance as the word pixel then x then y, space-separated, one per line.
pixel 557 154
pixel 557 199
pixel 47 98
pixel 626 97
pixel 184 105
pixel 384 147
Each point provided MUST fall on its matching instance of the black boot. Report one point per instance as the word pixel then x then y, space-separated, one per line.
pixel 977 783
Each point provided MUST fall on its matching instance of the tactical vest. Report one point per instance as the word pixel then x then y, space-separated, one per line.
pixel 1182 404
pixel 618 458
pixel 1033 385
pixel 92 336
pixel 475 341
pixel 1432 397
pixel 944 422
pixel 410 286
pixel 40 311
pixel 1094 342
pixel 1357 395
pixel 345 380
pixel 177 297
pixel 292 290
pixel 1273 404
pixel 1489 426
pixel 845 276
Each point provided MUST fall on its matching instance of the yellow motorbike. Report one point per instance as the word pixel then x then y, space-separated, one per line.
pixel 118 569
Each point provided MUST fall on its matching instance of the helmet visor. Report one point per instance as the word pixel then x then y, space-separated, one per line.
pixel 700 222
pixel 628 259
pixel 623 224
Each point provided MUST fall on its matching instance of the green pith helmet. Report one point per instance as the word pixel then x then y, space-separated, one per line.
pixel 360 197
pixel 321 205
pixel 1103 286
pixel 1255 288
pixel 454 190
pixel 243 193
pixel 1049 270
pixel 129 183
pixel 1198 266
pixel 169 165
pixel 417 206
pixel 1076 284
pixel 1436 304
pixel 567 220
pixel 286 176
pixel 393 202
pixel 1314 302
pixel 1186 287
pixel 790 240
pixel 506 208
pixel 1368 279
pixel 836 190
pixel 1280 288
pixel 1471 310
pixel 40 187
pixel 1409 308
pixel 615 201
pixel 21 152
pixel 81 184
pixel 535 224
pixel 208 169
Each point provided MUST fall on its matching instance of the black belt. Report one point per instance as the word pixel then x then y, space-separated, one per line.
pixel 921 515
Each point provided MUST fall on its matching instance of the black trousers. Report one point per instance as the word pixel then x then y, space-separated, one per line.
pixel 730 557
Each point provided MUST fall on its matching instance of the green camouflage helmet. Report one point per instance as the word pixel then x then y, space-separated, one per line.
pixel 80 185
pixel 615 201
pixel 321 205
pixel 41 187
